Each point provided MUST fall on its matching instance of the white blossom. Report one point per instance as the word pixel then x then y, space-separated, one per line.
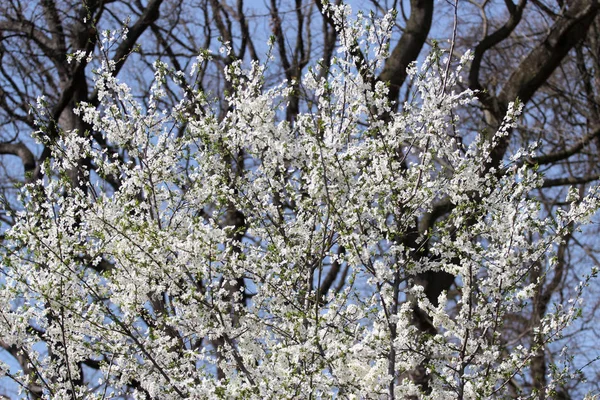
pixel 198 280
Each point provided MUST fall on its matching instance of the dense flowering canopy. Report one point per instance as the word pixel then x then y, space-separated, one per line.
pixel 244 256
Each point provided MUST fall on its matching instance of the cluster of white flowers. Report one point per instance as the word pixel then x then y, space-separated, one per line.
pixel 153 283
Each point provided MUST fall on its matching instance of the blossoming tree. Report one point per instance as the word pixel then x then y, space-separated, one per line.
pixel 354 251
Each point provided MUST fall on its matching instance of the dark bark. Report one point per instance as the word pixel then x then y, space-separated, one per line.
pixel 408 47
pixel 20 150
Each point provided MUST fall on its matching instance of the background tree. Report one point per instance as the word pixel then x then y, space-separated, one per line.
pixel 545 54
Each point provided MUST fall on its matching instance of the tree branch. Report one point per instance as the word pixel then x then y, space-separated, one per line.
pixel 409 46
pixel 20 150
